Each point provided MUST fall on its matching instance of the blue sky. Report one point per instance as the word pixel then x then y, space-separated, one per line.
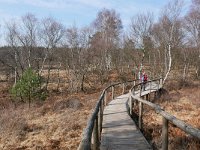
pixel 78 12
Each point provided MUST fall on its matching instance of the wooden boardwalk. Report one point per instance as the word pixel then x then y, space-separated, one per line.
pixel 119 132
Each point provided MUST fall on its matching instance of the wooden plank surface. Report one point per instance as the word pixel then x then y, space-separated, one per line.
pixel 147 90
pixel 119 131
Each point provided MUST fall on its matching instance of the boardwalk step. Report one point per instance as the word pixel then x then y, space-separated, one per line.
pixel 119 131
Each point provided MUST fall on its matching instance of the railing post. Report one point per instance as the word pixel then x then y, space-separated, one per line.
pixel 134 87
pixel 134 101
pixel 112 92
pixel 160 82
pixel 140 114
pixel 105 98
pixel 150 86
pixel 155 95
pixel 123 88
pixel 130 103
pixel 100 120
pixel 165 134
pixel 140 89
pixel 95 134
pixel 147 97
pixel 134 90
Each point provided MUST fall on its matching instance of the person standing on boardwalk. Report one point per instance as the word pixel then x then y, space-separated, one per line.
pixel 143 80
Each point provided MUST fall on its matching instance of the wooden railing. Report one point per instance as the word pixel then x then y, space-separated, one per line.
pixel 94 125
pixel 166 117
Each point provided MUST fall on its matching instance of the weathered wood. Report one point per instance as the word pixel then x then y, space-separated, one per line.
pixel 105 98
pixel 161 82
pixel 155 95
pixel 123 88
pixel 87 134
pixel 146 97
pixel 119 132
pixel 134 90
pixel 95 135
pixel 130 103
pixel 158 85
pixel 180 124
pixel 100 120
pixel 165 134
pixel 113 90
pixel 150 86
pixel 140 114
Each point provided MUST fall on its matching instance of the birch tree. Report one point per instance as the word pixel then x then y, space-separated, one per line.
pixel 28 37
pixel 108 27
pixel 51 34
pixel 140 33
pixel 192 26
pixel 169 25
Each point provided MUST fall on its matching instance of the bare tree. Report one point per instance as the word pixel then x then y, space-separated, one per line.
pixel 14 53
pixel 108 27
pixel 22 41
pixel 140 33
pixel 78 60
pixel 29 38
pixel 192 26
pixel 171 32
pixel 51 34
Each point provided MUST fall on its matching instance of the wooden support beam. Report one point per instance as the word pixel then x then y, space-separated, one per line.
pixel 95 135
pixel 161 82
pixel 113 90
pixel 165 134
pixel 134 90
pixel 100 119
pixel 150 86
pixel 155 95
pixel 105 98
pixel 147 95
pixel 140 90
pixel 140 114
pixel 123 88
pixel 131 104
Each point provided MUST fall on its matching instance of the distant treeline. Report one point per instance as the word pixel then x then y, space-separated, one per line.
pixel 172 42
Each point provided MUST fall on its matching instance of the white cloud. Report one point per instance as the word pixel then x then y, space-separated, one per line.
pixel 8 1
pixel 94 3
pixel 60 4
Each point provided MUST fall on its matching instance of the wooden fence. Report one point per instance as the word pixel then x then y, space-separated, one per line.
pixel 166 117
pixel 92 132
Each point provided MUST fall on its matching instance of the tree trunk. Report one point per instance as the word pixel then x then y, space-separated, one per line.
pixel 58 73
pixel 169 65
pixel 82 82
pixel 48 76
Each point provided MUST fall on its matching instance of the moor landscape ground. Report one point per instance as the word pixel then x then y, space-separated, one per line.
pixel 58 122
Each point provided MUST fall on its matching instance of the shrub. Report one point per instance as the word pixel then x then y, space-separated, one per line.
pixel 28 87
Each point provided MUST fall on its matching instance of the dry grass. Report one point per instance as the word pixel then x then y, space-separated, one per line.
pixel 183 104
pixel 56 123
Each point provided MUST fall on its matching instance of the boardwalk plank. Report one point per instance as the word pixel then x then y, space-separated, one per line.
pixel 119 131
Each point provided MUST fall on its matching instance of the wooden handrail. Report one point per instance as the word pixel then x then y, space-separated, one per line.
pixel 149 81
pixel 166 118
pixel 93 126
